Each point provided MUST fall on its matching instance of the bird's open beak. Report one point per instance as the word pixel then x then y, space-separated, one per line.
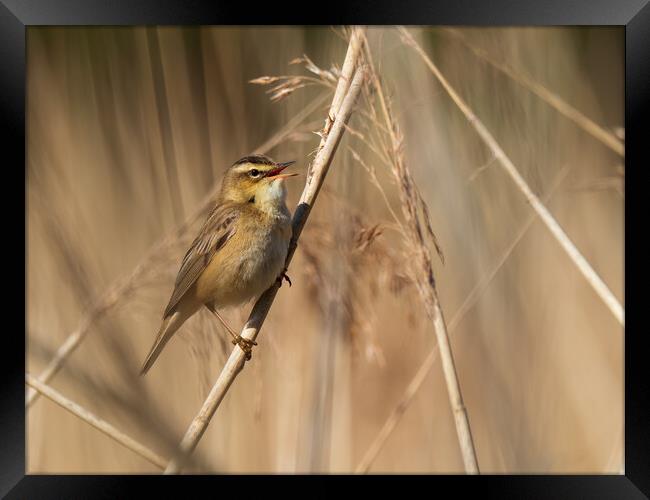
pixel 276 173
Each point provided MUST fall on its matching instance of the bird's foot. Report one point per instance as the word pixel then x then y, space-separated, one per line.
pixel 245 345
pixel 284 276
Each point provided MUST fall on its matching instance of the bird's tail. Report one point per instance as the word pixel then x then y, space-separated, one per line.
pixel 167 329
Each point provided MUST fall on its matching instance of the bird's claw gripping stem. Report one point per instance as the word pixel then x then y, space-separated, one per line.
pixel 245 345
pixel 284 276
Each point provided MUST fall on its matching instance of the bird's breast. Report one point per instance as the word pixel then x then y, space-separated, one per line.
pixel 250 262
pixel 263 259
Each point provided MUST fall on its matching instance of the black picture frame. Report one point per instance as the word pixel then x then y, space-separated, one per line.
pixel 17 15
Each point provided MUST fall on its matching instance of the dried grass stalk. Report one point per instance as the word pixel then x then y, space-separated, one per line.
pixel 350 62
pixel 552 99
pixel 235 362
pixel 285 85
pixel 558 233
pixel 417 228
pixel 96 422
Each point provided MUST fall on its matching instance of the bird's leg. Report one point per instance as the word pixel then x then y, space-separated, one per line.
pixel 213 310
pixel 246 345
pixel 284 276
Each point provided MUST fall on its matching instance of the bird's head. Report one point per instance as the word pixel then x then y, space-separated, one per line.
pixel 255 179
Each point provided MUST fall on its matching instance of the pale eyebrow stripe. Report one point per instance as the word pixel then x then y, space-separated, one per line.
pixel 245 167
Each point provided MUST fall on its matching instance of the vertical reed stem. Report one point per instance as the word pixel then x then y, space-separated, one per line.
pixel 418 379
pixel 235 362
pixel 426 283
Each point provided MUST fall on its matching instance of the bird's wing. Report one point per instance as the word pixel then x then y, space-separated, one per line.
pixel 216 231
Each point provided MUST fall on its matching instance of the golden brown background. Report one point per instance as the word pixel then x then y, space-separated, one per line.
pixel 129 128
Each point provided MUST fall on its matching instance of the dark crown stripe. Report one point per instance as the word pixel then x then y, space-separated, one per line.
pixel 255 160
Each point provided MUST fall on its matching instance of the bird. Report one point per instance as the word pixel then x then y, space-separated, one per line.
pixel 240 250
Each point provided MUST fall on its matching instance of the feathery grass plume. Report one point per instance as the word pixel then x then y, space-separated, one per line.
pixel 416 231
pixel 285 85
pixel 374 263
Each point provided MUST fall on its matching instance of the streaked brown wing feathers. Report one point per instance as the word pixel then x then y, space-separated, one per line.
pixel 216 231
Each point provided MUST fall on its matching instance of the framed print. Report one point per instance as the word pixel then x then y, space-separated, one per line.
pixel 387 244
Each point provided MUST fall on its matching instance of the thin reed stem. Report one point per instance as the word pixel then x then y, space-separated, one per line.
pixel 235 362
pixel 375 182
pixel 470 301
pixel 556 230
pixel 552 99
pixel 96 422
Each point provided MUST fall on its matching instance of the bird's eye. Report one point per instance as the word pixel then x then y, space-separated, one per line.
pixel 254 173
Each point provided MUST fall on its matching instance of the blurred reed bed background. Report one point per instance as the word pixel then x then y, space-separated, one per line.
pixel 129 129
